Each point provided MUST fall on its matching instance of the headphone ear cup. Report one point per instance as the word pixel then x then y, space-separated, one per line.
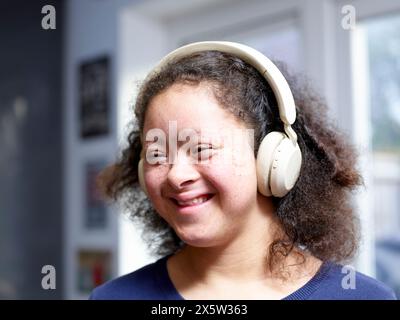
pixel 265 159
pixel 278 164
pixel 141 176
pixel 285 168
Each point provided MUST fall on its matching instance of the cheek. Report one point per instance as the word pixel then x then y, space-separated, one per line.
pixel 237 164
pixel 154 178
pixel 234 182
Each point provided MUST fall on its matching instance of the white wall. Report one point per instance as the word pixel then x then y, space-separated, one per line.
pixel 90 30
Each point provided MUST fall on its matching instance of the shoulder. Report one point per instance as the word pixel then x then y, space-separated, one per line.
pixel 374 289
pixel 142 284
pixel 345 283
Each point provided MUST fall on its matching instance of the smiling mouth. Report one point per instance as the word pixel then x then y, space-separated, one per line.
pixel 193 202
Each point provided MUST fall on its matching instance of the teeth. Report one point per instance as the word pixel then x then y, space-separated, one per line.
pixel 193 201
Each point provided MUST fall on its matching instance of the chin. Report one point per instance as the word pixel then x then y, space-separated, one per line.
pixel 198 239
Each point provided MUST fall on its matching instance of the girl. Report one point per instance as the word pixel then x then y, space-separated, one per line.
pixel 247 184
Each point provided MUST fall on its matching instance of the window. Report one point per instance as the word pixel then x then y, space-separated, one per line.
pixel 382 51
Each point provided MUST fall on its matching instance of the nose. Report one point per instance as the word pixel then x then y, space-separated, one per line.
pixel 182 173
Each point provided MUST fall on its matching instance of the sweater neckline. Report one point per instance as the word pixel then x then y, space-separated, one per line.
pixel 300 294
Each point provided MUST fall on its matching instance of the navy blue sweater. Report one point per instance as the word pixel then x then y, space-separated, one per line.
pixel 152 282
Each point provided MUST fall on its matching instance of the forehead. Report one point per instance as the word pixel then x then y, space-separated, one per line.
pixel 193 107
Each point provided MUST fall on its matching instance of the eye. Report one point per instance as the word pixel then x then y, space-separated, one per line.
pixel 203 151
pixel 156 157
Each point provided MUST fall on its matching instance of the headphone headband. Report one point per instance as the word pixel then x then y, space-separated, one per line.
pixel 278 83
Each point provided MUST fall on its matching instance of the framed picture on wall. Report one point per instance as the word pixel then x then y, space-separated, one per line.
pixel 94 268
pixel 95 210
pixel 94 96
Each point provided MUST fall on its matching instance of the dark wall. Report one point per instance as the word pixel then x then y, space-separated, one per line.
pixel 30 149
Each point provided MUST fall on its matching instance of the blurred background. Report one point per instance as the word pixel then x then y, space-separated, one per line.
pixel 69 71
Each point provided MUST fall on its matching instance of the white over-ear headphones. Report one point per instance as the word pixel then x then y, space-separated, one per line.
pixel 279 156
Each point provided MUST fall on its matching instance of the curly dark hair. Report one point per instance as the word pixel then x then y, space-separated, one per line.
pixel 316 215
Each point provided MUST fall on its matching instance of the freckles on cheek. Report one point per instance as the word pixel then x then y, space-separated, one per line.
pixel 220 180
pixel 234 183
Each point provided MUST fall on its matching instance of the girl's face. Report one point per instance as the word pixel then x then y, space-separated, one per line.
pixel 206 187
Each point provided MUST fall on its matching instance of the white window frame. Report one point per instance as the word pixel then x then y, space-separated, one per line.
pixel 351 88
